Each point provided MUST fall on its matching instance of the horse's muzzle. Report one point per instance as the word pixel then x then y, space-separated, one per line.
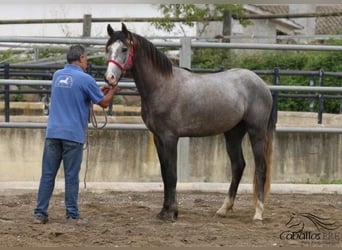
pixel 110 79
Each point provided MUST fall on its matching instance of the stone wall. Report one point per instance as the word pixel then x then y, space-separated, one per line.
pixel 128 155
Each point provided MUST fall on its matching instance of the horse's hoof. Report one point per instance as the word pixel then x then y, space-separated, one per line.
pixel 221 214
pixel 167 215
pixel 258 222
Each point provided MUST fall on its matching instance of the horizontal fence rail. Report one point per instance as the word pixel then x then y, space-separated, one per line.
pixel 124 126
pixel 42 125
pixel 185 45
pixel 177 44
pixel 131 84
pixel 306 89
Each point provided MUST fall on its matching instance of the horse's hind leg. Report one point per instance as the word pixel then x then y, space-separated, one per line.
pixel 261 178
pixel 234 149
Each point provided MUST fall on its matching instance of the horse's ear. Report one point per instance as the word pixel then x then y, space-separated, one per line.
pixel 124 29
pixel 110 30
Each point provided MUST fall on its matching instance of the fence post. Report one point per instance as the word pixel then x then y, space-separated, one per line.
pixel 36 53
pixel 185 52
pixel 90 68
pixel 312 83
pixel 46 96
pixel 7 92
pixel 183 143
pixel 320 97
pixel 341 106
pixel 86 25
pixel 275 94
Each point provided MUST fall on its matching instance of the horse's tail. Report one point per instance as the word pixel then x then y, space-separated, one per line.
pixel 268 149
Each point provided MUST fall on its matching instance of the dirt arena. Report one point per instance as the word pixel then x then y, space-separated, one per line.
pixel 120 219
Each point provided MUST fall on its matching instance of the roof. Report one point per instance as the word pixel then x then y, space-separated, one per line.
pixel 283 21
pixel 324 25
pixel 329 25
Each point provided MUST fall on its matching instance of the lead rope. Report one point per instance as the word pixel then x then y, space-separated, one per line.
pixel 93 121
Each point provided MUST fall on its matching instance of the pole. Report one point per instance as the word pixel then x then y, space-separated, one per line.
pixel 183 143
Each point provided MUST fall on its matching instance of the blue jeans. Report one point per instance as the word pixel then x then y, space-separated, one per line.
pixel 56 151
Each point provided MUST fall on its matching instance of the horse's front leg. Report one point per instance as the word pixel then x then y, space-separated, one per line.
pixel 167 153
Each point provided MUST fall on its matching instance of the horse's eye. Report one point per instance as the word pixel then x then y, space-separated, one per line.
pixel 124 50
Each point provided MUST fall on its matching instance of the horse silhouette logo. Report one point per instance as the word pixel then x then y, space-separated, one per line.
pixel 307 226
pixel 64 81
pixel 296 222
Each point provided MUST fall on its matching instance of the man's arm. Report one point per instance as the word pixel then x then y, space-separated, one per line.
pixel 109 93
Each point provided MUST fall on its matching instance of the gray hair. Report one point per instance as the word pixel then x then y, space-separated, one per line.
pixel 74 53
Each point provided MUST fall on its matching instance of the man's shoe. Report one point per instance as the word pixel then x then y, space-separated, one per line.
pixel 77 221
pixel 40 219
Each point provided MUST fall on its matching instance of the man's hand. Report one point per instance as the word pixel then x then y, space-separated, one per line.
pixel 105 89
pixel 109 93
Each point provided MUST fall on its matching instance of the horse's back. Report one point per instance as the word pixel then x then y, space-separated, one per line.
pixel 214 103
pixel 247 77
pixel 246 85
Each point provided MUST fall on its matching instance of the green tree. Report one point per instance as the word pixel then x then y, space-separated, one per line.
pixel 326 61
pixel 191 13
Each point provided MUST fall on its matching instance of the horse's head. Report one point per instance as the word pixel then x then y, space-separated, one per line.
pixel 295 223
pixel 119 51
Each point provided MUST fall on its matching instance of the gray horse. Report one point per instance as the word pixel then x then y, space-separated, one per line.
pixel 178 103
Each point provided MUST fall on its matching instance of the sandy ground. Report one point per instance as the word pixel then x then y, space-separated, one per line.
pixel 129 219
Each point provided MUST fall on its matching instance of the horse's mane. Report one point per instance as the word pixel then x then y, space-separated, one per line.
pixel 145 49
pixel 158 59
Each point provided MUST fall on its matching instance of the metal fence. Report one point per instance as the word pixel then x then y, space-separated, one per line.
pixel 43 74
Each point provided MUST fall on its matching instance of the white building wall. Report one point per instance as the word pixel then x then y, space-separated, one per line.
pixel 10 11
pixel 261 31
pixel 245 34
pixel 309 24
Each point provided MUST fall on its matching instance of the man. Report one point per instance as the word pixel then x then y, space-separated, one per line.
pixel 72 92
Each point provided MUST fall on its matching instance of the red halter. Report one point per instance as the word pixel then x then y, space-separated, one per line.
pixel 127 64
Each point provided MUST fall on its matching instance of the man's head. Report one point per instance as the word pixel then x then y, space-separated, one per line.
pixel 77 55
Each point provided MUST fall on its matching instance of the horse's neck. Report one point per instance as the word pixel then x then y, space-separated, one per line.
pixel 146 78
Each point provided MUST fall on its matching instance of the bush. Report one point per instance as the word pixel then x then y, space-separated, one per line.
pixel 328 61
